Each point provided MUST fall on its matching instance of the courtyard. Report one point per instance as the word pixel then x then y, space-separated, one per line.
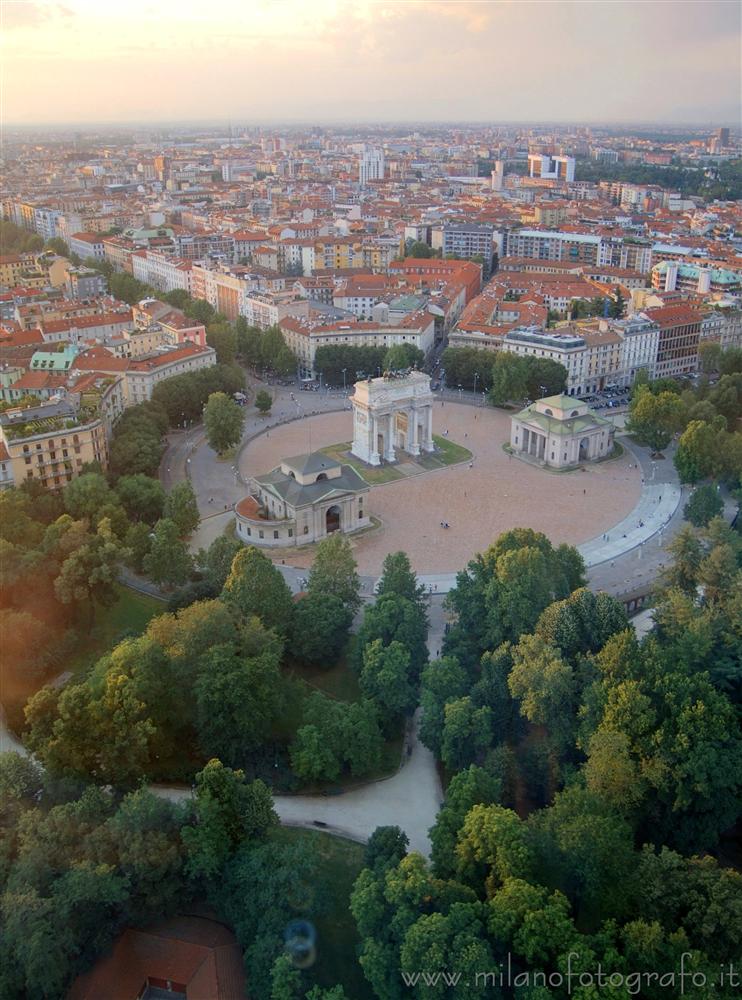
pixel 478 501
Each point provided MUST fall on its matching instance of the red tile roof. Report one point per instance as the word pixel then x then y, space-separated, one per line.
pixel 199 955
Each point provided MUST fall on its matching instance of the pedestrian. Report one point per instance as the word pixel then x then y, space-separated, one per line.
pixel 660 499
pixel 442 524
pixel 584 492
pixel 471 465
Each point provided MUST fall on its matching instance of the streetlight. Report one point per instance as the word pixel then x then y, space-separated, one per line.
pixel 476 376
pixel 461 390
pixel 344 371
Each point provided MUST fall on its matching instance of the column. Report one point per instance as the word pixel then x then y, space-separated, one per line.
pixel 389 449
pixel 428 442
pixel 373 455
pixel 413 444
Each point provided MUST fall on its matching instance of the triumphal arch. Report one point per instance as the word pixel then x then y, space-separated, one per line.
pixel 392 413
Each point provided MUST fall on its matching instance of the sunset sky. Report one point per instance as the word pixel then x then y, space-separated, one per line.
pixel 320 60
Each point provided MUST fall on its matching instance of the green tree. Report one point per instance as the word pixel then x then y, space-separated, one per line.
pixel 467 733
pixel 653 419
pixel 223 339
pixel 468 788
pixel 238 700
pixel 138 541
pixel 90 572
pixel 256 587
pixel 700 451
pixel 703 505
pixel 443 681
pixel 403 356
pixel 263 401
pixel 418 250
pixel 85 495
pixel 386 847
pixel 228 811
pixel 398 577
pixel 392 618
pixel 182 509
pixel 142 497
pixel 168 562
pixel 215 563
pixel 334 572
pixel 321 627
pixel 509 378
pixel 223 422
pixel 386 677
pixel 545 686
pixel 687 554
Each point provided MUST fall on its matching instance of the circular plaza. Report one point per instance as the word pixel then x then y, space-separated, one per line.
pixel 477 499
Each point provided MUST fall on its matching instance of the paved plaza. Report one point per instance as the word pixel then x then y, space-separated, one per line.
pixel 478 501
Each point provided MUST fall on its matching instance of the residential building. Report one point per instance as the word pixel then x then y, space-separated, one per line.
pixel 52 442
pixel 467 240
pixel 370 166
pixel 87 245
pixel 551 167
pixel 679 336
pixel 567 349
pixel 85 283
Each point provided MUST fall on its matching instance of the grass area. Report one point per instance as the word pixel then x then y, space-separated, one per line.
pixel 128 616
pixel 373 474
pixel 447 453
pixel 339 681
pixel 339 862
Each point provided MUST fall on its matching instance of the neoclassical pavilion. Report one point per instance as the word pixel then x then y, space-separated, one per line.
pixel 392 413
pixel 560 432
pixel 302 500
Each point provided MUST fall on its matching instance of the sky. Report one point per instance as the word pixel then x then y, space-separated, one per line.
pixel 675 61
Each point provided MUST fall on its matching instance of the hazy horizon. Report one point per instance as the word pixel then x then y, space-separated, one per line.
pixel 81 63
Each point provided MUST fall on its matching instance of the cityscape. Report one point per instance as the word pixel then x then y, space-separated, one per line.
pixel 370 477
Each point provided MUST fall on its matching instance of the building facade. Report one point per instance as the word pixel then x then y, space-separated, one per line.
pixel 303 500
pixel 392 414
pixel 559 432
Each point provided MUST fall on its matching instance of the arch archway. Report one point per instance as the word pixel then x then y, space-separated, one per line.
pixel 584 449
pixel 332 519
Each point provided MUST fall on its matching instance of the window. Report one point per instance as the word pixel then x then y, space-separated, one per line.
pixel 306 529
pixel 27 459
pixel 260 533
pixel 249 531
pixel 275 534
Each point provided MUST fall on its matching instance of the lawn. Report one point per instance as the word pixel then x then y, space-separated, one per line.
pixel 339 862
pixel 447 453
pixel 128 616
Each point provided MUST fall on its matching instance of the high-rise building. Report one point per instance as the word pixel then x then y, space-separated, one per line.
pixel 722 135
pixel 371 166
pixel 498 175
pixel 467 240
pixel 561 168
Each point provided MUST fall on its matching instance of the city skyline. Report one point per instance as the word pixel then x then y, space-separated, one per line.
pixel 83 63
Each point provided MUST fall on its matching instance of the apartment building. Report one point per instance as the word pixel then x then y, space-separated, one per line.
pixel 14 266
pixel 143 374
pixel 51 442
pixel 162 272
pixel 679 336
pixel 700 279
pixel 87 245
pixel 467 240
pixel 547 167
pixel 723 324
pixel 304 336
pixel 548 245
pixel 566 349
pixel 85 283
pixel 370 166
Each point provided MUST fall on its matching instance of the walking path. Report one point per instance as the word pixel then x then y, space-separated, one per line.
pixel 409 799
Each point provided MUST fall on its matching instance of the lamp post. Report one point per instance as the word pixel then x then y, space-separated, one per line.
pixel 344 373
pixel 461 390
pixel 476 376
